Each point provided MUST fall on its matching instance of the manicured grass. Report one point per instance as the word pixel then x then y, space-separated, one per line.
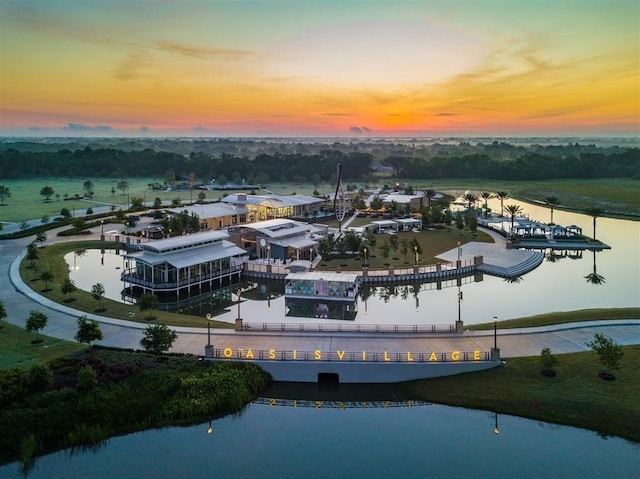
pixel 18 352
pixel 52 259
pixel 562 317
pixel 576 396
pixel 614 195
pixel 617 195
pixel 432 242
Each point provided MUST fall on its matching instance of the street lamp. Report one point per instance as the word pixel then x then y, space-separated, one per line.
pixel 415 249
pixel 208 316
pixel 495 332
pixel 239 318
pixel 101 230
pixel 208 349
pixel 365 257
pixel 495 427
pixel 210 428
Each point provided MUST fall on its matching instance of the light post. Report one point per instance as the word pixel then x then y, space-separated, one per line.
pixel 208 349
pixel 495 427
pixel 239 318
pixel 365 257
pixel 101 230
pixel 415 249
pixel 210 428
pixel 495 352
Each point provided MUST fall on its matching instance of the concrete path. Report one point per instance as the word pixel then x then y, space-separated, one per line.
pixel 19 299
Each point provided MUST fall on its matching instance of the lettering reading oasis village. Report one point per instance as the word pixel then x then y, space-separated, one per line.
pixel 319 355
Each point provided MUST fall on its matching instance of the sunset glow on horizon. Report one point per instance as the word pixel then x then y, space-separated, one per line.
pixel 298 68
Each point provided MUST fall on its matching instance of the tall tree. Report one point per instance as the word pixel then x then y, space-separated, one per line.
pixel 67 287
pixel 47 192
pixel 503 195
pixel 552 202
pixel 609 353
pixel 88 187
pixel 123 185
pixel 46 276
pixel 149 302
pixel 88 330
pixel 4 194
pixel 470 198
pixel 158 338
pixel 513 211
pixel 595 213
pixel 36 321
pixel 486 196
pixel 98 292
pixel 429 195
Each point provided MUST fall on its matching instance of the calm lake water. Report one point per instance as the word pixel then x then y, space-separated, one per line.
pixel 553 286
pixel 361 441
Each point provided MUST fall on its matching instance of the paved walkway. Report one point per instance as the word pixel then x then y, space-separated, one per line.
pixel 19 299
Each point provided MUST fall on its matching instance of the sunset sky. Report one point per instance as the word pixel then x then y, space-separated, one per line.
pixel 320 68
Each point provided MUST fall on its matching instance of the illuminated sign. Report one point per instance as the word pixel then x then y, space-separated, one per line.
pixel 342 355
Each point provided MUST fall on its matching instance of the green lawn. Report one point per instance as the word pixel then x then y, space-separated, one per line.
pixel 576 396
pixel 18 352
pixel 432 243
pixel 613 194
pixel 561 317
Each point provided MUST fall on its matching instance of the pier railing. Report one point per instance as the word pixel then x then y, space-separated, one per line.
pixel 349 327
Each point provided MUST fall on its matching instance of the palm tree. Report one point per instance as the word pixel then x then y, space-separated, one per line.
pixel 503 196
pixel 513 210
pixel 595 212
pixel 594 278
pixel 429 194
pixel 552 202
pixel 486 196
pixel 470 198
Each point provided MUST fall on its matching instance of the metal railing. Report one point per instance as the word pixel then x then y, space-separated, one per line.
pixel 349 327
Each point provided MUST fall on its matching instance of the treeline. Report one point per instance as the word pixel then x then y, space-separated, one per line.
pixel 530 166
pixel 106 162
pixel 316 168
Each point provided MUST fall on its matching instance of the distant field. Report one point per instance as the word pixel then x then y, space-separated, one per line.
pixel 614 195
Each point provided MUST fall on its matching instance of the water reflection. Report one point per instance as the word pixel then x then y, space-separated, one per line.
pixel 293 431
pixel 559 283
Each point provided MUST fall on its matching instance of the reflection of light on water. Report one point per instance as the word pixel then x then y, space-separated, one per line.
pixel 536 293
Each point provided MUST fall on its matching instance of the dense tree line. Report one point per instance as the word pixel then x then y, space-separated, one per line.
pixel 505 162
pixel 530 166
pixel 128 164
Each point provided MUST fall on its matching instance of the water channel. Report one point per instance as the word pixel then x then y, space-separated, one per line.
pixel 349 439
pixel 558 284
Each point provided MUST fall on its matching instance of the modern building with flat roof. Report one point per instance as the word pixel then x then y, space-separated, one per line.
pixel 183 267
pixel 215 216
pixel 278 239
pixel 271 206
pixel 324 295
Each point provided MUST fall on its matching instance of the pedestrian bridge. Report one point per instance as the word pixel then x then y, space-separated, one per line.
pixel 364 366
